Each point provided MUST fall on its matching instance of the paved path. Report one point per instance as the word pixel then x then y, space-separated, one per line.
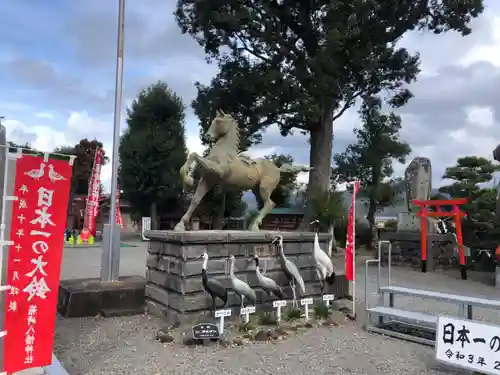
pixel 123 346
pixel 86 262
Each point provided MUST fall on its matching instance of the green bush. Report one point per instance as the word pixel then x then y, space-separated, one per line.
pixel 363 234
pixel 391 225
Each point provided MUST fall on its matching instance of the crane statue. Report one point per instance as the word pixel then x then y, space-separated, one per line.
pixel 323 263
pixel 241 288
pixel 211 285
pixel 267 284
pixel 290 270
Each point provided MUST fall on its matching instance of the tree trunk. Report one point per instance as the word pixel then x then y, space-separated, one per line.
pixel 154 216
pixel 372 209
pixel 69 212
pixel 320 158
pixel 332 243
pixel 218 220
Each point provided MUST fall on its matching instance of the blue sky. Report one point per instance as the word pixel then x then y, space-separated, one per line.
pixel 57 75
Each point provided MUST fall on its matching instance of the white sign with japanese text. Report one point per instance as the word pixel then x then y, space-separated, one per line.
pixel 468 344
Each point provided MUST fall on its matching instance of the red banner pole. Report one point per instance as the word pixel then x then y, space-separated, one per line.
pixel 89 191
pixel 423 238
pixel 460 243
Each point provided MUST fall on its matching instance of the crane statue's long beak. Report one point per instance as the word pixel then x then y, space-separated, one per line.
pixel 278 239
pixel 314 222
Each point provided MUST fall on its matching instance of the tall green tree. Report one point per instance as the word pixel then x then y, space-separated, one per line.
pixel 152 150
pixel 467 176
pixel 315 58
pixel 84 162
pixel 14 145
pixel 238 94
pixel 370 159
pixel 82 167
pixel 282 195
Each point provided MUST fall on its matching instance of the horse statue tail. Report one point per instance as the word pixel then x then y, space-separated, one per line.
pixel 289 168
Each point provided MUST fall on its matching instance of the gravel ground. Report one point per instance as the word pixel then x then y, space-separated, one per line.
pixel 126 345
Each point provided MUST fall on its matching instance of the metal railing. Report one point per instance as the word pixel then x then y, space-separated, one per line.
pixel 379 271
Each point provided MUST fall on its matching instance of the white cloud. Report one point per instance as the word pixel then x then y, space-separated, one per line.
pixel 489 51
pixel 41 137
pixel 79 125
pixel 45 115
pixel 45 137
pixel 92 127
pixel 106 176
pixel 193 144
pixel 483 117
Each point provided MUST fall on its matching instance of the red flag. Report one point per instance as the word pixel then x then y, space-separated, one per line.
pixel 350 246
pixel 34 264
pixel 119 219
pixel 92 206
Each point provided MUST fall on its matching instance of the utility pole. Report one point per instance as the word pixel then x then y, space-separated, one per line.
pixel 111 259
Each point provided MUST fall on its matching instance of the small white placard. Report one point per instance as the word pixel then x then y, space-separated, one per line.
pixel 221 313
pixel 146 225
pixel 247 310
pixel 468 344
pixel 279 303
pixel 306 301
pixel 328 297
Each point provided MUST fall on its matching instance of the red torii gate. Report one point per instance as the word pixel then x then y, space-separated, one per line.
pixel 424 213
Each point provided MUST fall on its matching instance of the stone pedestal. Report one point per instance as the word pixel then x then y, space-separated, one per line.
pixel 89 297
pixel 174 289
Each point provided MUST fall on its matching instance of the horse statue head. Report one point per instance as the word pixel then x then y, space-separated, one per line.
pixel 224 126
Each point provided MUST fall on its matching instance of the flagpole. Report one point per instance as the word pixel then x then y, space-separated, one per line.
pixel 354 251
pixel 112 256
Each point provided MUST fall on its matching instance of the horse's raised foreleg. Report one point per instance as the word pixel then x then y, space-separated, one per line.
pixel 202 189
pixel 220 170
pixel 184 171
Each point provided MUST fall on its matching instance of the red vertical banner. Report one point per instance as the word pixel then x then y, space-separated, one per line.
pixel 119 219
pixel 34 264
pixel 92 206
pixel 350 246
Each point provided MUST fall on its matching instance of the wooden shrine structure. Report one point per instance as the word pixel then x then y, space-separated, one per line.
pixel 455 213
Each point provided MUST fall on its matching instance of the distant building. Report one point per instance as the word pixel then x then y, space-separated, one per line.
pixel 286 219
pixel 76 214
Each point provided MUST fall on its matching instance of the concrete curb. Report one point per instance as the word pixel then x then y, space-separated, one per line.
pixel 56 368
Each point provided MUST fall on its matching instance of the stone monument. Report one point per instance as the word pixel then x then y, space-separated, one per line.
pixel 174 287
pixel 225 165
pixel 418 181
